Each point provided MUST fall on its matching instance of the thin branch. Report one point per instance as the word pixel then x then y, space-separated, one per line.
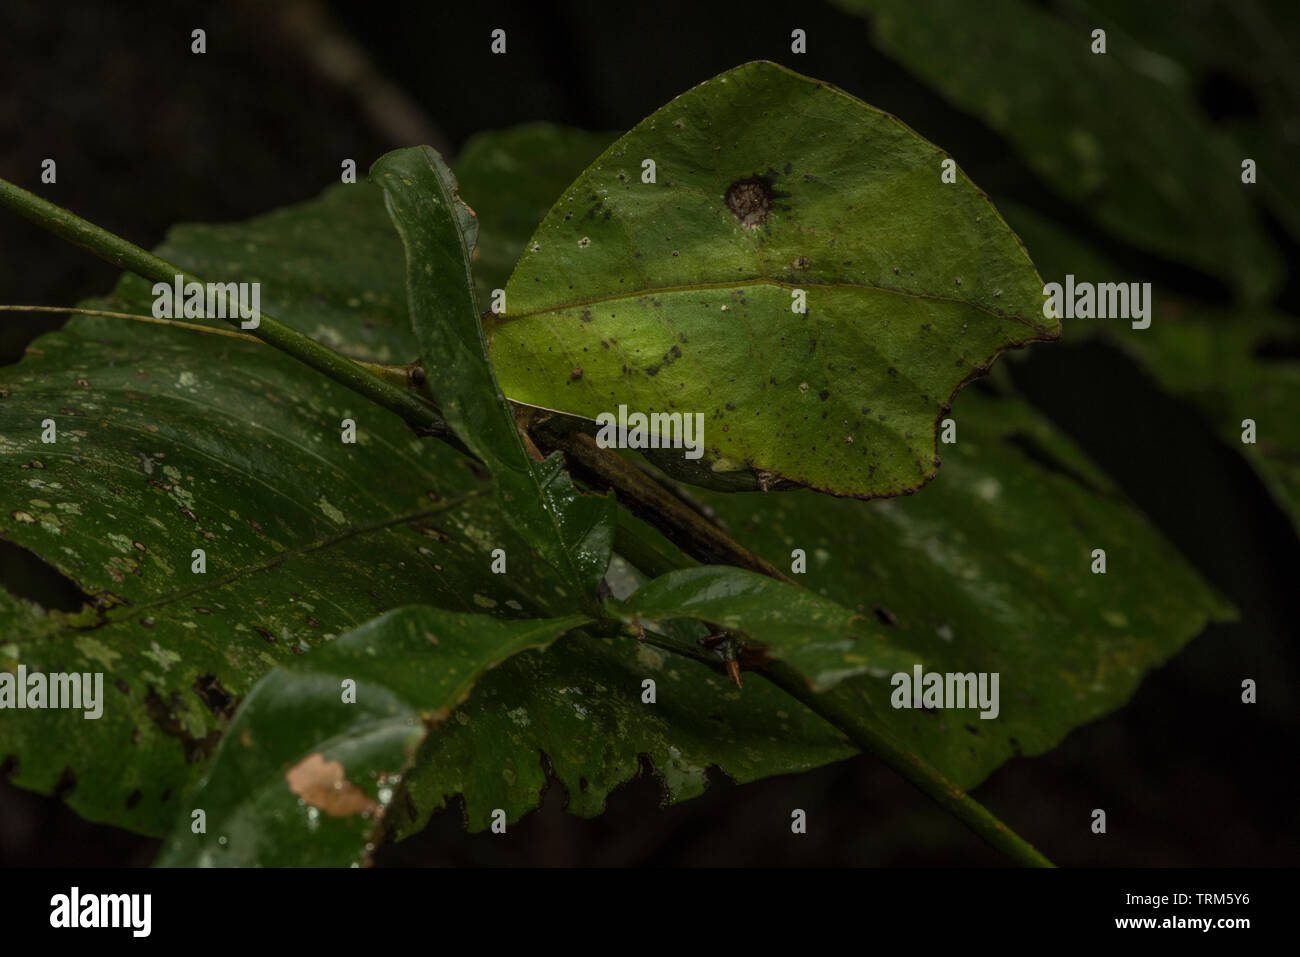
pixel 419 414
pixel 657 505
pixel 853 726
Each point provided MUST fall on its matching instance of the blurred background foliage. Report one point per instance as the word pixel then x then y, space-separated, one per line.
pixel 1106 169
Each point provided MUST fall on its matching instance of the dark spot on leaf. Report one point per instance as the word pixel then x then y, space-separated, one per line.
pixel 264 633
pixel 133 799
pixel 750 200
pixel 884 615
pixel 218 700
pixel 166 716
pixel 823 395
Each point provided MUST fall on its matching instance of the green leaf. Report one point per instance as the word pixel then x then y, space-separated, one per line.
pixel 1114 133
pixel 963 573
pixel 677 295
pixel 306 773
pixel 572 531
pixel 574 715
pixel 1255 43
pixel 989 570
pixel 511 178
pixel 823 640
pixel 170 441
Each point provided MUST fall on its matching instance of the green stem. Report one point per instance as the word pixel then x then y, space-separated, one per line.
pixel 850 723
pixel 125 255
pixel 938 788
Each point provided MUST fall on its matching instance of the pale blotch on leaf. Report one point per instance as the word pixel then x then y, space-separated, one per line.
pixel 322 785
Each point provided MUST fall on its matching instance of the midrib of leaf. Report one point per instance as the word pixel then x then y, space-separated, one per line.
pixel 754 281
pixel 276 560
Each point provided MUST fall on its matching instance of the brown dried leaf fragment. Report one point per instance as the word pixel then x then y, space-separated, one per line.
pixel 323 785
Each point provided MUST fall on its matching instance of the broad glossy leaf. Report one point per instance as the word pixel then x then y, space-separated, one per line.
pixel 1113 133
pixel 305 774
pixel 964 573
pixel 573 531
pixel 575 715
pixel 822 639
pixel 169 441
pixel 989 570
pixel 677 295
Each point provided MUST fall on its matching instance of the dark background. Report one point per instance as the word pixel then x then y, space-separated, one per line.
pixel 146 134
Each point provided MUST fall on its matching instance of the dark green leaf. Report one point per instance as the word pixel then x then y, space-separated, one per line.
pixel 575 715
pixel 170 441
pixel 989 570
pixel 1235 363
pixel 573 532
pixel 1113 133
pixel 820 638
pixel 306 774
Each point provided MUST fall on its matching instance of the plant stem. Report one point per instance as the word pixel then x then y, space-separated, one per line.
pixel 850 723
pixel 658 506
pixel 125 255
pixel 938 788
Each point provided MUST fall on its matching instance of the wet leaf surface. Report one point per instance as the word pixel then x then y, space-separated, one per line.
pixel 170 441
pixel 314 756
pixel 572 531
